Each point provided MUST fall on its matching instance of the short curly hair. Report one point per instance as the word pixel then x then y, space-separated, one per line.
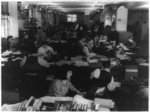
pixel 46 52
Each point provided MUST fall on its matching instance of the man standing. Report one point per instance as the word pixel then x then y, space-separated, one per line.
pixel 40 36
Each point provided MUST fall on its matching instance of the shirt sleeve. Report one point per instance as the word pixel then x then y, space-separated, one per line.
pixel 86 51
pixel 23 61
pixel 72 88
pixel 56 88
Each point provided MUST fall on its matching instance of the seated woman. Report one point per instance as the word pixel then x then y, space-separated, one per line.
pixel 87 49
pixel 12 43
pixel 120 53
pixel 8 43
pixel 4 44
pixel 45 55
pixel 111 48
pixel 34 72
pixel 101 83
pixel 61 86
pixel 80 44
pixel 98 78
pixel 131 44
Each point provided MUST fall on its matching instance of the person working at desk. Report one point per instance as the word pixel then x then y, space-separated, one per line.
pixel 102 81
pixel 40 36
pixel 87 49
pixel 131 44
pixel 120 52
pixel 98 78
pixel 34 72
pixel 61 86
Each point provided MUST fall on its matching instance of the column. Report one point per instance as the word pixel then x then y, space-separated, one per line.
pixel 38 17
pixel 87 19
pixel 107 16
pixel 51 18
pixel 14 27
pixel 57 19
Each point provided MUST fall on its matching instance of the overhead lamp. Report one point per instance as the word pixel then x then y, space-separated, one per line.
pixel 146 6
pixel 25 5
pixel 48 3
pixel 134 0
pixel 93 5
pixel 87 13
pixel 72 0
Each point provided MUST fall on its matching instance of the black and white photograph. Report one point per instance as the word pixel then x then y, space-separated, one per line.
pixel 75 55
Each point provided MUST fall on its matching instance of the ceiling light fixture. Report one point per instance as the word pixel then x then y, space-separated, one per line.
pixel 93 6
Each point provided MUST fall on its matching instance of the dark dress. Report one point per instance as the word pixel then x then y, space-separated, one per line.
pixel 104 79
pixel 33 79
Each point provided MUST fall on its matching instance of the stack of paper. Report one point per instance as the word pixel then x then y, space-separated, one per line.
pixel 108 103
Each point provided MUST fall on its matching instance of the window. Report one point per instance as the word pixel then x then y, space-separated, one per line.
pixel 71 18
pixel 5 24
pixel 5 8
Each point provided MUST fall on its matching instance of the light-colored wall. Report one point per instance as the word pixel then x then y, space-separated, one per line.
pixel 21 24
pixel 14 26
pixel 108 18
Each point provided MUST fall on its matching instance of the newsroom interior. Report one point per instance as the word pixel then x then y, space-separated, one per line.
pixel 75 55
